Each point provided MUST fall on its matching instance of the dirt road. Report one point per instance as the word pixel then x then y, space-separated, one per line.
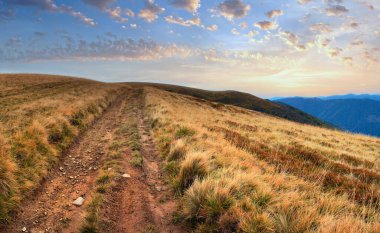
pixel 142 203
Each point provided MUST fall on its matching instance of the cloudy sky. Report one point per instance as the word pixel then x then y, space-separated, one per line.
pixel 265 47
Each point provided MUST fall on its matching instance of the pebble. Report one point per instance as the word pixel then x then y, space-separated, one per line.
pixel 79 201
pixel 61 168
pixel 24 229
pixel 125 175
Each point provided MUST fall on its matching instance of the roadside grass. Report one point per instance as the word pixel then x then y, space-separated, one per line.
pixel 40 116
pixel 107 178
pixel 256 173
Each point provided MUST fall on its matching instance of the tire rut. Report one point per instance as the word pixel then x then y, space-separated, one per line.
pixel 143 203
pixel 51 208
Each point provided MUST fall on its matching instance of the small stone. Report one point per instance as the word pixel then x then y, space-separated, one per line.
pixel 125 175
pixel 158 188
pixel 24 229
pixel 79 201
pixel 61 168
pixel 109 169
pixel 71 177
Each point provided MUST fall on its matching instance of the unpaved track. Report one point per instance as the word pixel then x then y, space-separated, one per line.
pixel 141 203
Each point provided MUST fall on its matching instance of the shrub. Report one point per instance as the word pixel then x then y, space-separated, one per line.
pixel 194 166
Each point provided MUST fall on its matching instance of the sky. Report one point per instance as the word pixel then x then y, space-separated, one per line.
pixel 264 47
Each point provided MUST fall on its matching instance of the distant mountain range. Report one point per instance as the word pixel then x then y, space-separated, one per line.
pixel 352 96
pixel 335 97
pixel 354 113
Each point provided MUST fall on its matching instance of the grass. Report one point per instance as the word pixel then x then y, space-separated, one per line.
pixel 184 132
pixel 137 159
pixel 234 170
pixel 193 167
pixel 40 116
pixel 257 173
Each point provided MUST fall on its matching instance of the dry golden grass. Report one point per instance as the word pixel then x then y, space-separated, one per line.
pixel 264 174
pixel 234 170
pixel 40 115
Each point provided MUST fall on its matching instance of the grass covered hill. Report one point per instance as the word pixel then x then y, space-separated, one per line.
pixel 237 170
pixel 217 167
pixel 247 101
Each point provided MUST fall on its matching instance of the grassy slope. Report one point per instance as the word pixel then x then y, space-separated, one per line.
pixel 237 170
pixel 248 101
pixel 234 169
pixel 40 116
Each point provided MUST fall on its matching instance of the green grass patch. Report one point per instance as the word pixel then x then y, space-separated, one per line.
pixel 184 132
pixel 137 159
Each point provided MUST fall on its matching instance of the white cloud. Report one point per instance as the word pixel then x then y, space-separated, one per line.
pixel 189 5
pixel 213 27
pixel 129 13
pixel 187 23
pixel 274 13
pixel 115 13
pixel 235 32
pixel 334 52
pixel 232 9
pixel 101 4
pixel 266 25
pixel 252 33
pixel 243 25
pixel 69 10
pixel 151 10
pixel 336 10
pixel 320 27
pixel 292 40
pixel 110 48
pixel 49 5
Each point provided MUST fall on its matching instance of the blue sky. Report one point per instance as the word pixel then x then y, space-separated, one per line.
pixel 268 48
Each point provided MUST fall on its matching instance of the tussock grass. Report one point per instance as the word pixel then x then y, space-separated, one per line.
pixel 177 151
pixel 265 174
pixel 194 166
pixel 184 132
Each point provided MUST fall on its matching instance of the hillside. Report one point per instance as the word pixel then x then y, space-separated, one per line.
pixel 247 101
pixel 84 156
pixel 354 115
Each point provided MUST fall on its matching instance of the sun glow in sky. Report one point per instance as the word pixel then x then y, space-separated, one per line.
pixel 267 48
